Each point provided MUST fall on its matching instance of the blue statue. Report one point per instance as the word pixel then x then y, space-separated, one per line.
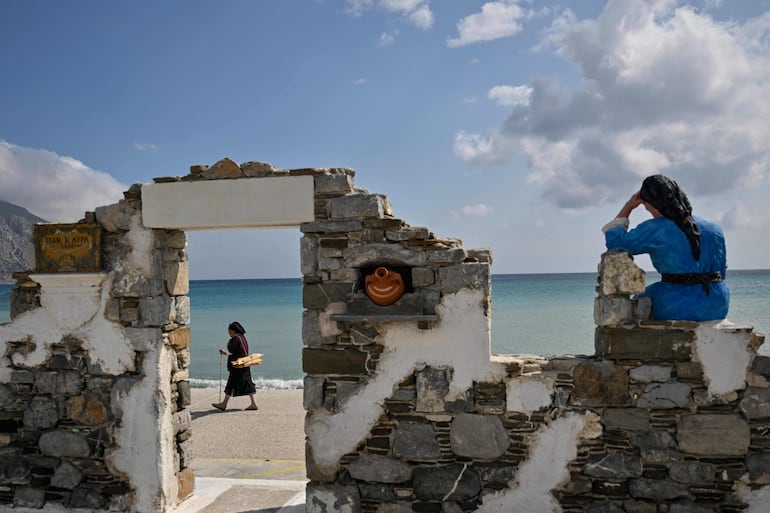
pixel 688 251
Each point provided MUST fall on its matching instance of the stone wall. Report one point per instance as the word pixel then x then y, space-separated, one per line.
pixel 407 409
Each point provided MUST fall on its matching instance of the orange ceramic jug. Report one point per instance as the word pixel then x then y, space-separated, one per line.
pixel 384 287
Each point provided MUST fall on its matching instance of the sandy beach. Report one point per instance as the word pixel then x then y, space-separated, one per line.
pixel 275 431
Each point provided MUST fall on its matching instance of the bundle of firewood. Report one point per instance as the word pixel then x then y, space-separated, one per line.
pixel 248 361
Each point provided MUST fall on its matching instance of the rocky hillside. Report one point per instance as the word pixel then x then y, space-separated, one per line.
pixel 15 233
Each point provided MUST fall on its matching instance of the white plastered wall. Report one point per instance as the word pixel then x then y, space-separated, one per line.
pixel 271 202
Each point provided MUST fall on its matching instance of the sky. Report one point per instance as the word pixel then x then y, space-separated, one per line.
pixel 516 125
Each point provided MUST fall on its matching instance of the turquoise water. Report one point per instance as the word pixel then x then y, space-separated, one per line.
pixel 531 313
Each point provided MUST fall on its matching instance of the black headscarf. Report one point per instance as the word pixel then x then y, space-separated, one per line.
pixel 665 195
pixel 236 327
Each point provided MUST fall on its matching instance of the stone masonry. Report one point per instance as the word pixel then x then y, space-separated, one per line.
pixel 407 409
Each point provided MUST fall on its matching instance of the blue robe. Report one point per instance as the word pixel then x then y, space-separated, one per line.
pixel 670 253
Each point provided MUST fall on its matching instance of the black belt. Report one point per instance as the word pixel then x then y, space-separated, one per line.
pixel 702 279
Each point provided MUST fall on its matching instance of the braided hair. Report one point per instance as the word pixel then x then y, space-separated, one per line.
pixel 670 200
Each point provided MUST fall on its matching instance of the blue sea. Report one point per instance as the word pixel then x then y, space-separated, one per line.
pixel 531 313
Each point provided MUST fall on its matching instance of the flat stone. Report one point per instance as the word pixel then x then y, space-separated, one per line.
pixel 472 275
pixel 691 472
pixel 756 403
pixel 58 383
pixel 614 465
pixel 358 206
pixel 759 466
pixel 423 276
pixel 645 344
pixel 335 362
pixel 63 444
pixel 86 497
pixel 656 489
pixel 600 384
pixel 320 295
pixel 374 468
pixel 14 470
pixel 665 395
pixel 331 226
pixel 66 476
pixel 713 435
pixel 156 311
pixel 632 419
pixel 416 441
pixel 29 498
pixel 446 483
pixel 371 254
pixel 478 436
pixel 650 374
pixel 41 413
pixel 336 184
pixel 656 439
pixel 395 507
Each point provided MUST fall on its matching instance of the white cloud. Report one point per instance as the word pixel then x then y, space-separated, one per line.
pixel 476 149
pixel 56 188
pixel 479 210
pixel 496 20
pixel 359 81
pixel 664 89
pixel 415 12
pixel 510 95
pixel 740 217
pixel 422 17
pixel 145 146
pixel 470 100
pixel 357 7
pixel 387 38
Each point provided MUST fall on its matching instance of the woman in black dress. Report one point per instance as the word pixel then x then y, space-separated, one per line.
pixel 239 381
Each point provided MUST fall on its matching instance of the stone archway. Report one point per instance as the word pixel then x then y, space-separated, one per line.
pixel 407 409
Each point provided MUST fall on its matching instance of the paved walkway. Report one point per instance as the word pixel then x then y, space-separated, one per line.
pixel 246 486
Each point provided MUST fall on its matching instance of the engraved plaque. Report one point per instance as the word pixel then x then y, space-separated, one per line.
pixel 67 248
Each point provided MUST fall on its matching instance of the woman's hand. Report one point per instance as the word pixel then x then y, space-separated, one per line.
pixel 633 202
pixel 223 352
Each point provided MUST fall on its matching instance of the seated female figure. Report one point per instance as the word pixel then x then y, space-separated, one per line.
pixel 688 251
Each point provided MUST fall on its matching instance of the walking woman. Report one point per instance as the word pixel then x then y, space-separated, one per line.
pixel 239 380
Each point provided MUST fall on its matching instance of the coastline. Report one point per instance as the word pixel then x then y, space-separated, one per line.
pixel 274 432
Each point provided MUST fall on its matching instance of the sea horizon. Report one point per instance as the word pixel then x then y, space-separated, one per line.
pixel 532 313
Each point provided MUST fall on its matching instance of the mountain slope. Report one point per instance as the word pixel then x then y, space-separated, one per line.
pixel 15 233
